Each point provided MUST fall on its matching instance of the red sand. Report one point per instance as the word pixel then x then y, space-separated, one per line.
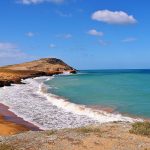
pixel 9 116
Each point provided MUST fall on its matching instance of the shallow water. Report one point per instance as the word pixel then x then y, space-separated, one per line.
pixel 126 91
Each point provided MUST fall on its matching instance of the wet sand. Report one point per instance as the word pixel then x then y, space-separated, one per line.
pixel 103 108
pixel 9 128
pixel 113 110
pixel 12 124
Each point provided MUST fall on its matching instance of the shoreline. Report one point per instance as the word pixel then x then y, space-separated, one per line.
pixel 89 115
pixel 9 116
pixel 112 110
pixel 10 123
pixel 9 77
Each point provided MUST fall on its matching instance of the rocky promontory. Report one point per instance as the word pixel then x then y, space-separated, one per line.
pixel 46 66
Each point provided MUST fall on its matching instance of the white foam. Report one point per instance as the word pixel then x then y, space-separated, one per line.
pixel 32 102
pixel 98 115
pixel 25 101
pixel 66 73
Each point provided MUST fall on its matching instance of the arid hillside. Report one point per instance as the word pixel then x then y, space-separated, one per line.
pixel 46 66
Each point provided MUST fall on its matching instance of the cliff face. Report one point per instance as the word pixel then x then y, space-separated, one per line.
pixel 47 66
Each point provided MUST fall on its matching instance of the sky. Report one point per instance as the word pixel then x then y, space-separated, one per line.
pixel 86 34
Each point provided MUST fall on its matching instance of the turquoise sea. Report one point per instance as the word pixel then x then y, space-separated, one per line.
pixel 126 91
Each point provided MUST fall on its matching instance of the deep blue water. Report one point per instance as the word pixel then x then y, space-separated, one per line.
pixel 127 91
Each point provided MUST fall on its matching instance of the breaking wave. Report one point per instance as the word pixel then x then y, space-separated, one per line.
pixel 33 103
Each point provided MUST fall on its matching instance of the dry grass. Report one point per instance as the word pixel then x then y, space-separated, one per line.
pixel 104 137
pixel 49 66
pixel 51 132
pixel 141 128
pixel 4 146
pixel 8 72
pixel 89 130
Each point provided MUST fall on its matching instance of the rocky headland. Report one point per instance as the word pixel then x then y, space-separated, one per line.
pixel 43 67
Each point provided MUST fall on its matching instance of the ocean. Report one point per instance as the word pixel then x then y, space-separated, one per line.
pixel 125 91
pixel 68 101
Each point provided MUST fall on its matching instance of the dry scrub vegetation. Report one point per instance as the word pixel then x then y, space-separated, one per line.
pixel 141 128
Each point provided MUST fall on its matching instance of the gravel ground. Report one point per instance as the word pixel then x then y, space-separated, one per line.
pixel 111 136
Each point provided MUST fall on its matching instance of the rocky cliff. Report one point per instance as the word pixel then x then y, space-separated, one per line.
pixel 46 66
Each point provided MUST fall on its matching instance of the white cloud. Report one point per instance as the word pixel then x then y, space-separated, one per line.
pixel 103 43
pixel 63 14
pixel 10 53
pixel 28 2
pixel 129 39
pixel 52 46
pixel 7 46
pixel 113 17
pixel 95 32
pixel 30 34
pixel 10 50
pixel 65 36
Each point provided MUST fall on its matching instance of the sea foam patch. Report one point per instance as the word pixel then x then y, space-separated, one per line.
pixel 32 102
pixel 25 101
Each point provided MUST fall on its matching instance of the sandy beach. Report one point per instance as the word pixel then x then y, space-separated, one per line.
pixel 9 128
pixel 12 124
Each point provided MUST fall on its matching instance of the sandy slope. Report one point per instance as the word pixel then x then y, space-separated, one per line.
pixel 8 128
pixel 112 136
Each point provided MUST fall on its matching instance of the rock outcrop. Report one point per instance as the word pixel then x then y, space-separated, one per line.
pixel 46 66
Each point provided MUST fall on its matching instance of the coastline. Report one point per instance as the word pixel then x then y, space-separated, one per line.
pixel 97 114
pixel 101 136
pixel 15 74
pixel 65 108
